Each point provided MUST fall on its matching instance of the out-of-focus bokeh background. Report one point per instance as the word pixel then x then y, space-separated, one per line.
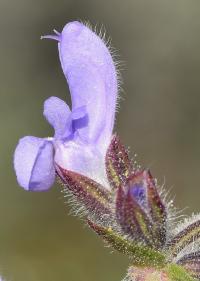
pixel 159 118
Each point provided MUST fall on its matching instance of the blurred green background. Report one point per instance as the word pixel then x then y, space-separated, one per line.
pixel 159 118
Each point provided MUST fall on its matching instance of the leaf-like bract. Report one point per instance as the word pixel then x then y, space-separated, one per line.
pixel 141 255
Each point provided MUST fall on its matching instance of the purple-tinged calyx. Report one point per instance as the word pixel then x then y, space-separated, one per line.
pixel 95 199
pixel 140 210
pixel 118 165
pixel 184 238
pixel 82 133
pixel 136 186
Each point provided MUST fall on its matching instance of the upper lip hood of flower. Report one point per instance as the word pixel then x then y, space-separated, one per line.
pixel 82 134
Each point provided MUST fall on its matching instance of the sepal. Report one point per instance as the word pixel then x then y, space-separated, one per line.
pixel 184 238
pixel 92 195
pixel 132 218
pixel 157 209
pixel 118 164
pixel 140 210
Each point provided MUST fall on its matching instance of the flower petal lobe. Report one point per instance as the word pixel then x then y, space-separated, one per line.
pixel 33 163
pixel 58 114
pixel 91 75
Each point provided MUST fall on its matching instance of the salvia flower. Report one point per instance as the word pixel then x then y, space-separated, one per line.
pixel 119 201
pixel 134 218
pixel 83 133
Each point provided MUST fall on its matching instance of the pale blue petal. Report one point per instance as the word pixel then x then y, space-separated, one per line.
pixel 58 114
pixel 79 112
pixel 34 163
pixel 91 75
pixel 83 159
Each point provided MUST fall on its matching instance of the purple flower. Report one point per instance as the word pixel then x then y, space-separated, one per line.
pixel 82 134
